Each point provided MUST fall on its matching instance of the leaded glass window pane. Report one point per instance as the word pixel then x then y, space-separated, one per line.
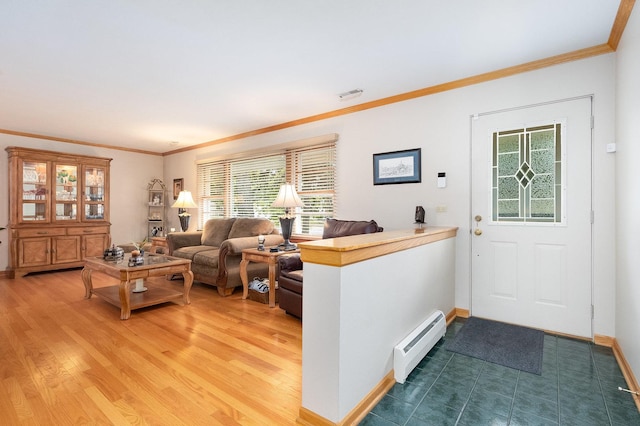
pixel 527 168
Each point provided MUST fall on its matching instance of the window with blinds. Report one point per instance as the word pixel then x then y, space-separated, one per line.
pixel 246 187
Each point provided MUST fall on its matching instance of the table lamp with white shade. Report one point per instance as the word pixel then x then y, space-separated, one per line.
pixel 184 202
pixel 287 198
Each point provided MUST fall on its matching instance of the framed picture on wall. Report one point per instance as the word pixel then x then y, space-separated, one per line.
pixel 397 167
pixel 178 184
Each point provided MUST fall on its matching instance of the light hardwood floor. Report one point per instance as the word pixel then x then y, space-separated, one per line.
pixel 65 360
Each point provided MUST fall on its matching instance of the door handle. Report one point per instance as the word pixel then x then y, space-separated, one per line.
pixel 478 219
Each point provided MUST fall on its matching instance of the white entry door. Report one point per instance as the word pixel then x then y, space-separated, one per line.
pixel 531 216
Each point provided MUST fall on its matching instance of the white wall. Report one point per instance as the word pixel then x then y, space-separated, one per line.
pixel 628 193
pixel 439 124
pixel 130 174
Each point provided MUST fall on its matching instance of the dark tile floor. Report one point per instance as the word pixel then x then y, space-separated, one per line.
pixel 578 386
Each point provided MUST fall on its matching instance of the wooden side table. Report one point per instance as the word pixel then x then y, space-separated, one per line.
pixel 265 256
pixel 158 242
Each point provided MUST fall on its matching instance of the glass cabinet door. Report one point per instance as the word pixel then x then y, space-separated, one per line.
pixel 34 191
pixel 66 187
pixel 94 193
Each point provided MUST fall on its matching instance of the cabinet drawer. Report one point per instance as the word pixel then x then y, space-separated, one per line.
pixel 40 232
pixel 88 230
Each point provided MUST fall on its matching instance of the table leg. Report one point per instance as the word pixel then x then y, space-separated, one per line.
pixel 86 279
pixel 125 299
pixel 272 285
pixel 188 281
pixel 244 278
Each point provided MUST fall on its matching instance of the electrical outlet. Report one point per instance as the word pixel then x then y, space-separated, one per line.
pixel 441 209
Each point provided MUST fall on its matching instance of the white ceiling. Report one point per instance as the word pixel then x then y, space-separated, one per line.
pixel 142 73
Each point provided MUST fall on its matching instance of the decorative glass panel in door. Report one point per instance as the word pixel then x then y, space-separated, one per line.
pixel 66 187
pixel 34 191
pixel 527 175
pixel 94 193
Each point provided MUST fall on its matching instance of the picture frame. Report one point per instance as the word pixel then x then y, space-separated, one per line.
pixel 178 185
pixel 155 198
pixel 397 167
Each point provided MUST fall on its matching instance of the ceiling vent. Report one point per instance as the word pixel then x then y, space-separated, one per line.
pixel 351 94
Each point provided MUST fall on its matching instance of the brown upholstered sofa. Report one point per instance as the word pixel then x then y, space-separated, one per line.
pixel 216 251
pixel 290 266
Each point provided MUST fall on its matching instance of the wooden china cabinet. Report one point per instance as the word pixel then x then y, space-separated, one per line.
pixel 58 209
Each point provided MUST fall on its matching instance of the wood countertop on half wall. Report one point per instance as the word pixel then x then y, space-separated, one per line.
pixel 356 248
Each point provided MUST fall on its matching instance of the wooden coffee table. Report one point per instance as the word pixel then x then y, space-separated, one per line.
pixel 121 295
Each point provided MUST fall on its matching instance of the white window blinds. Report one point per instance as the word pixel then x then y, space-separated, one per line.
pixel 314 177
pixel 246 187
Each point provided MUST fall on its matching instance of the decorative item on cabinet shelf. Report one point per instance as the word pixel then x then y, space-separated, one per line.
pixel 94 178
pixel 156 231
pixel 34 194
pixel 29 175
pixel 156 201
pixel 63 176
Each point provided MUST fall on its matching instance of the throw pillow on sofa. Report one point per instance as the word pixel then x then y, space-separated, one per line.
pixel 215 231
pixel 250 227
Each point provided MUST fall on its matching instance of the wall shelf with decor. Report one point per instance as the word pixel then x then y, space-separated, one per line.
pixel 58 209
pixel 156 217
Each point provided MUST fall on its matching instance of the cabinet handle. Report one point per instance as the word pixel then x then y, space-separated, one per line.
pixel 87 231
pixel 42 232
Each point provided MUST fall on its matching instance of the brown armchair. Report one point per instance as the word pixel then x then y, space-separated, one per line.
pixel 290 267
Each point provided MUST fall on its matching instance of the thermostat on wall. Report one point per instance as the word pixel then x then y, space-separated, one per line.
pixel 442 179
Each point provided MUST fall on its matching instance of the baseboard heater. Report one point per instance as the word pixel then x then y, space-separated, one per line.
pixel 410 351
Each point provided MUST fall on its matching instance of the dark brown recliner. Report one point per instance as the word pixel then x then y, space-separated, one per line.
pixel 290 267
